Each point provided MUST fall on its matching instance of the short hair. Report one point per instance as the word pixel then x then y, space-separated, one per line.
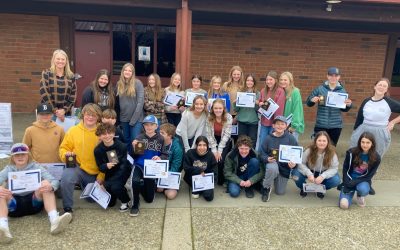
pixel 92 109
pixel 105 128
pixel 168 128
pixel 109 114
pixel 244 140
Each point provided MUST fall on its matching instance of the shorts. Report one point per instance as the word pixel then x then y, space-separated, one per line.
pixel 24 205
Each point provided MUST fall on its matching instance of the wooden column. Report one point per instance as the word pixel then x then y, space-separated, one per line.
pixel 183 42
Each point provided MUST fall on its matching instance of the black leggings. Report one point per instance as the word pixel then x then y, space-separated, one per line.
pixel 145 186
pixel 225 151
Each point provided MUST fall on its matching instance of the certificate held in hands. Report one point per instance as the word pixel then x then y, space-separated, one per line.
pixel 201 183
pixel 24 181
pixel 289 153
pixel 156 168
pixel 173 99
pixel 246 100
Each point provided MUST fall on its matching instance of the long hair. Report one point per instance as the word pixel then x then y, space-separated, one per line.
pixel 30 159
pixel 127 86
pixel 384 79
pixel 245 88
pixel 227 85
pixel 357 151
pixel 67 69
pixel 171 82
pixel 212 117
pixel 155 94
pixel 97 90
pixel 201 138
pixel 289 89
pixel 329 150
pixel 274 75
pixel 192 108
pixel 211 90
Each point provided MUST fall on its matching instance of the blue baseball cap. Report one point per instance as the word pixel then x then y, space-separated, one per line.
pixel 150 119
pixel 333 71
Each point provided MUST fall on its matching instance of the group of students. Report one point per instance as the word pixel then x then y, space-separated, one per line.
pixel 197 139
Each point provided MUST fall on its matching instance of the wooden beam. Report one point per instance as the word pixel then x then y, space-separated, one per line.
pixel 164 4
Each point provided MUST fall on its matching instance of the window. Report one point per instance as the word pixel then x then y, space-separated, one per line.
pixel 144 36
pixel 92 26
pixel 166 51
pixel 122 46
pixel 396 67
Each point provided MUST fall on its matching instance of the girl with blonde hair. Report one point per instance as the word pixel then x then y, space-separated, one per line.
pixel 234 83
pixel 173 112
pixel 215 91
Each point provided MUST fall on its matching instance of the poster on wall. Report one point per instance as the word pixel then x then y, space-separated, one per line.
pixel 144 53
pixel 6 135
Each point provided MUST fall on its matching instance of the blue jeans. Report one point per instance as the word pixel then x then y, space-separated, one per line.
pixel 264 131
pixel 362 189
pixel 332 182
pixel 252 169
pixel 131 132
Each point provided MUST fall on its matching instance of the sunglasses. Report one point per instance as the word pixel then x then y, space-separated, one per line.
pixel 19 149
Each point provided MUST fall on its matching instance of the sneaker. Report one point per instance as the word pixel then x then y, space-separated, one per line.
pixel 320 195
pixel 344 203
pixel 5 235
pixel 124 207
pixel 361 201
pixel 60 223
pixel 134 211
pixel 68 210
pixel 266 194
pixel 249 192
pixel 302 193
pixel 372 191
pixel 195 196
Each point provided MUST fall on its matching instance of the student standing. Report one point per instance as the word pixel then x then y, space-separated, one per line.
pixel 100 91
pixel 215 91
pixel 153 98
pixel 173 112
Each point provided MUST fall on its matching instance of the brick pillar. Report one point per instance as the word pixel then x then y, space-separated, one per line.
pixel 183 42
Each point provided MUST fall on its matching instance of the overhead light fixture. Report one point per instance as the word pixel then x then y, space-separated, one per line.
pixel 333 1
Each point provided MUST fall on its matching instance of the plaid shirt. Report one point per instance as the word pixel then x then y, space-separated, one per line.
pixel 59 92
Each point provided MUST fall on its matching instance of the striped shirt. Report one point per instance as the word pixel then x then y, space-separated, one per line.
pixel 59 92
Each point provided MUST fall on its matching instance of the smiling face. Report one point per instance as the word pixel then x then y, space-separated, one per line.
pixel 196 83
pixel 284 81
pixel 333 79
pixel 216 85
pixel 365 144
pixel 127 73
pixel 279 127
pixel 151 81
pixel 249 82
pixel 176 81
pixel 201 148
pixel 60 61
pixel 244 150
pixel 107 138
pixel 218 109
pixel 20 160
pixel 90 120
pixel 103 81
pixel 236 74
pixel 199 106
pixel 150 128
pixel 381 88
pixel 321 142
pixel 270 81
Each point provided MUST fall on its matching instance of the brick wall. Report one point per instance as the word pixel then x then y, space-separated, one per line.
pixel 307 54
pixel 26 46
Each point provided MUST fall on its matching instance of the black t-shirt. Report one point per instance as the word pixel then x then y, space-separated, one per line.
pixel 242 165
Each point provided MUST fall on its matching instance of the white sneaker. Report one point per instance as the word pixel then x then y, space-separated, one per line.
pixel 60 223
pixel 344 203
pixel 124 207
pixel 361 201
pixel 5 235
pixel 195 196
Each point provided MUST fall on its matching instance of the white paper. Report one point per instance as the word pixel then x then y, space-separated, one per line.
pixel 144 53
pixel 336 100
pixel 55 169
pixel 272 108
pixel 97 193
pixel 6 133
pixel 246 100
pixel 24 181
pixel 290 153
pixel 172 99
pixel 289 119
pixel 67 123
pixel 172 182
pixel 314 188
pixel 130 159
pixel 190 96
pixel 201 183
pixel 234 130
pixel 211 101
pixel 156 168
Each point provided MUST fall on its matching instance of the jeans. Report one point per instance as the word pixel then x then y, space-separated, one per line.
pixel 71 176
pixel 252 169
pixel 131 132
pixel 264 131
pixel 329 183
pixel 362 189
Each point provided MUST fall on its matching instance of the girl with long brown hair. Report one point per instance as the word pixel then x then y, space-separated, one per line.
pixel 153 98
pixel 100 91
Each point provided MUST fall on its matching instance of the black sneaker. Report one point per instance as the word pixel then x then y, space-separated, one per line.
pixel 302 193
pixel 68 210
pixel 372 191
pixel 134 211
pixel 265 194
pixel 320 195
pixel 249 192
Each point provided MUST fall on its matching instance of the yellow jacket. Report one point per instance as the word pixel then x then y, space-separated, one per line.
pixel 82 142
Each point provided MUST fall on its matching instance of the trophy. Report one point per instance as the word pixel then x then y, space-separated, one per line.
pixel 112 156
pixel 275 154
pixel 321 100
pixel 265 105
pixel 139 148
pixel 71 161
pixel 181 103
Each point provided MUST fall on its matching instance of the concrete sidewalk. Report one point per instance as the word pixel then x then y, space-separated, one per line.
pixel 288 222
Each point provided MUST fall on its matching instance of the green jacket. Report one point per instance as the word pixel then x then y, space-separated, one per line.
pixel 247 115
pixel 231 165
pixel 294 105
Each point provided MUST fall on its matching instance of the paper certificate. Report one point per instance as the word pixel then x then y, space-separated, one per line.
pixel 172 99
pixel 55 169
pixel 289 119
pixel 336 100
pixel 246 100
pixel 234 130
pixel 97 193
pixel 24 181
pixel 290 153
pixel 201 183
pixel 190 96
pixel 272 108
pixel 314 188
pixel 156 168
pixel 172 182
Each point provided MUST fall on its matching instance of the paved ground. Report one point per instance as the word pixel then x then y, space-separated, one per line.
pixel 286 222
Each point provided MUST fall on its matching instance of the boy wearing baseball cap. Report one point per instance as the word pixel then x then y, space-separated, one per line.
pixel 44 136
pixel 150 144
pixel 277 173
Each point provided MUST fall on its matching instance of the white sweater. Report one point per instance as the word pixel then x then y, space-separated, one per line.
pixel 191 127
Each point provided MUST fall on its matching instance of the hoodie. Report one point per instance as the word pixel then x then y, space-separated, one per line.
pixel 44 141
